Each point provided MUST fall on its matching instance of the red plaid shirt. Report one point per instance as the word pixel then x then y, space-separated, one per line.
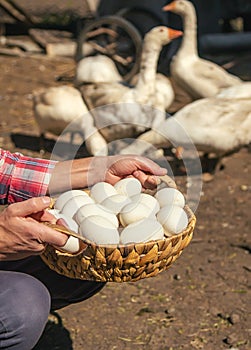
pixel 23 177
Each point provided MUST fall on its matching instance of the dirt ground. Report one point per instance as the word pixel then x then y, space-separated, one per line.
pixel 202 302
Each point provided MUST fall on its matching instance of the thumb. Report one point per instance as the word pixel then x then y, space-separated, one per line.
pixel 30 206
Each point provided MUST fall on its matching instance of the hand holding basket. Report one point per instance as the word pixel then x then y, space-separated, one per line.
pixel 120 263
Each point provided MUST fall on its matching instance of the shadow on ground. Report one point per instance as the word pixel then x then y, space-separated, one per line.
pixel 63 149
pixel 55 335
pixel 66 150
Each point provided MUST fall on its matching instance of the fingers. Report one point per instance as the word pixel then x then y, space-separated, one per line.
pixel 61 222
pixel 22 235
pixel 42 233
pixel 137 162
pixel 150 166
pixel 44 215
pixel 46 235
pixel 147 181
pixel 30 206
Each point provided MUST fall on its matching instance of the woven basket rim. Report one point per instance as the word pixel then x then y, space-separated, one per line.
pixel 119 262
pixel 85 241
pixel 168 182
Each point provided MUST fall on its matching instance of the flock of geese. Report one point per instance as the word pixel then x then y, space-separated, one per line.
pixel 103 108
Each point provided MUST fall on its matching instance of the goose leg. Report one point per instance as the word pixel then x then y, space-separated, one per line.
pixel 72 137
pixel 96 145
pixel 42 144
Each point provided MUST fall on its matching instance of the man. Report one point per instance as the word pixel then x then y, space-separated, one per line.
pixel 29 289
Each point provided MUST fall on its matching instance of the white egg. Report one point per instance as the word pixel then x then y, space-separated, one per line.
pixel 116 202
pixel 170 196
pixel 173 218
pixel 99 230
pixel 102 190
pixel 71 245
pixel 134 211
pixel 54 212
pixel 142 231
pixel 64 197
pixel 128 187
pixel 95 209
pixel 73 204
pixel 148 200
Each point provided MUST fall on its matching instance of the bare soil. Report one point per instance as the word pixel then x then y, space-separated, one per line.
pixel 202 302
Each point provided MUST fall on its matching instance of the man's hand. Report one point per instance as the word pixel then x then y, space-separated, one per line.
pixel 144 169
pixel 21 233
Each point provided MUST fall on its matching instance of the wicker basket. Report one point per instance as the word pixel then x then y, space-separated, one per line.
pixel 120 263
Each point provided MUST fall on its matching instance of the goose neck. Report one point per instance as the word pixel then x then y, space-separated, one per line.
pixel 189 40
pixel 148 68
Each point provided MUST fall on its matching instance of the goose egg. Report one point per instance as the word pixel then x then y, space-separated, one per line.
pixel 173 218
pixel 72 243
pixel 102 190
pixel 116 202
pixel 148 200
pixel 73 204
pixel 64 197
pixel 99 230
pixel 142 231
pixel 54 212
pixel 128 187
pixel 170 196
pixel 134 211
pixel 95 209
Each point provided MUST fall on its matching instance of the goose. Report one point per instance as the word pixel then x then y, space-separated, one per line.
pixel 213 125
pixel 199 77
pixel 96 69
pixel 144 89
pixel 164 93
pixel 60 109
pixel 242 90
pixel 128 105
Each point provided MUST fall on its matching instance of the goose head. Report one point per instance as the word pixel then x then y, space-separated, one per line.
pixel 180 7
pixel 161 36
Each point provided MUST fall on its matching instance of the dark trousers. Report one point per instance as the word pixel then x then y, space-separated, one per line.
pixel 28 291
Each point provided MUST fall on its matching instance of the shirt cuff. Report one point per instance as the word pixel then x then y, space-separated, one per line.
pixel 30 178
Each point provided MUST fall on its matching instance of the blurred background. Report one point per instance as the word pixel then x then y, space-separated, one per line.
pixel 224 26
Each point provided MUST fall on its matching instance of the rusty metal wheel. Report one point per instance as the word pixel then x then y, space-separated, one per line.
pixel 114 37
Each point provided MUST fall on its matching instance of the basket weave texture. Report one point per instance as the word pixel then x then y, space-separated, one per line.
pixel 119 263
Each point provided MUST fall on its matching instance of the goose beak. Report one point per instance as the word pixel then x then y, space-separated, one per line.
pixel 169 7
pixel 173 33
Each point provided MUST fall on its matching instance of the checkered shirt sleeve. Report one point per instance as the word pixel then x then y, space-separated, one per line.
pixel 23 177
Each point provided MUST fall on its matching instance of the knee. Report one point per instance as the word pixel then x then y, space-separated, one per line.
pixel 29 307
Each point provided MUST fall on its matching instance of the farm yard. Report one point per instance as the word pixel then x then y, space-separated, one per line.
pixel 201 302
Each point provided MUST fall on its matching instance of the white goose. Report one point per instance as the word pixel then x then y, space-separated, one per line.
pixel 242 90
pixel 164 93
pixel 213 125
pixel 62 109
pixel 96 69
pixel 130 106
pixel 144 90
pixel 198 77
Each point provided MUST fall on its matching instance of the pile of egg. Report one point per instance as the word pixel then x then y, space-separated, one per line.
pixel 121 214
